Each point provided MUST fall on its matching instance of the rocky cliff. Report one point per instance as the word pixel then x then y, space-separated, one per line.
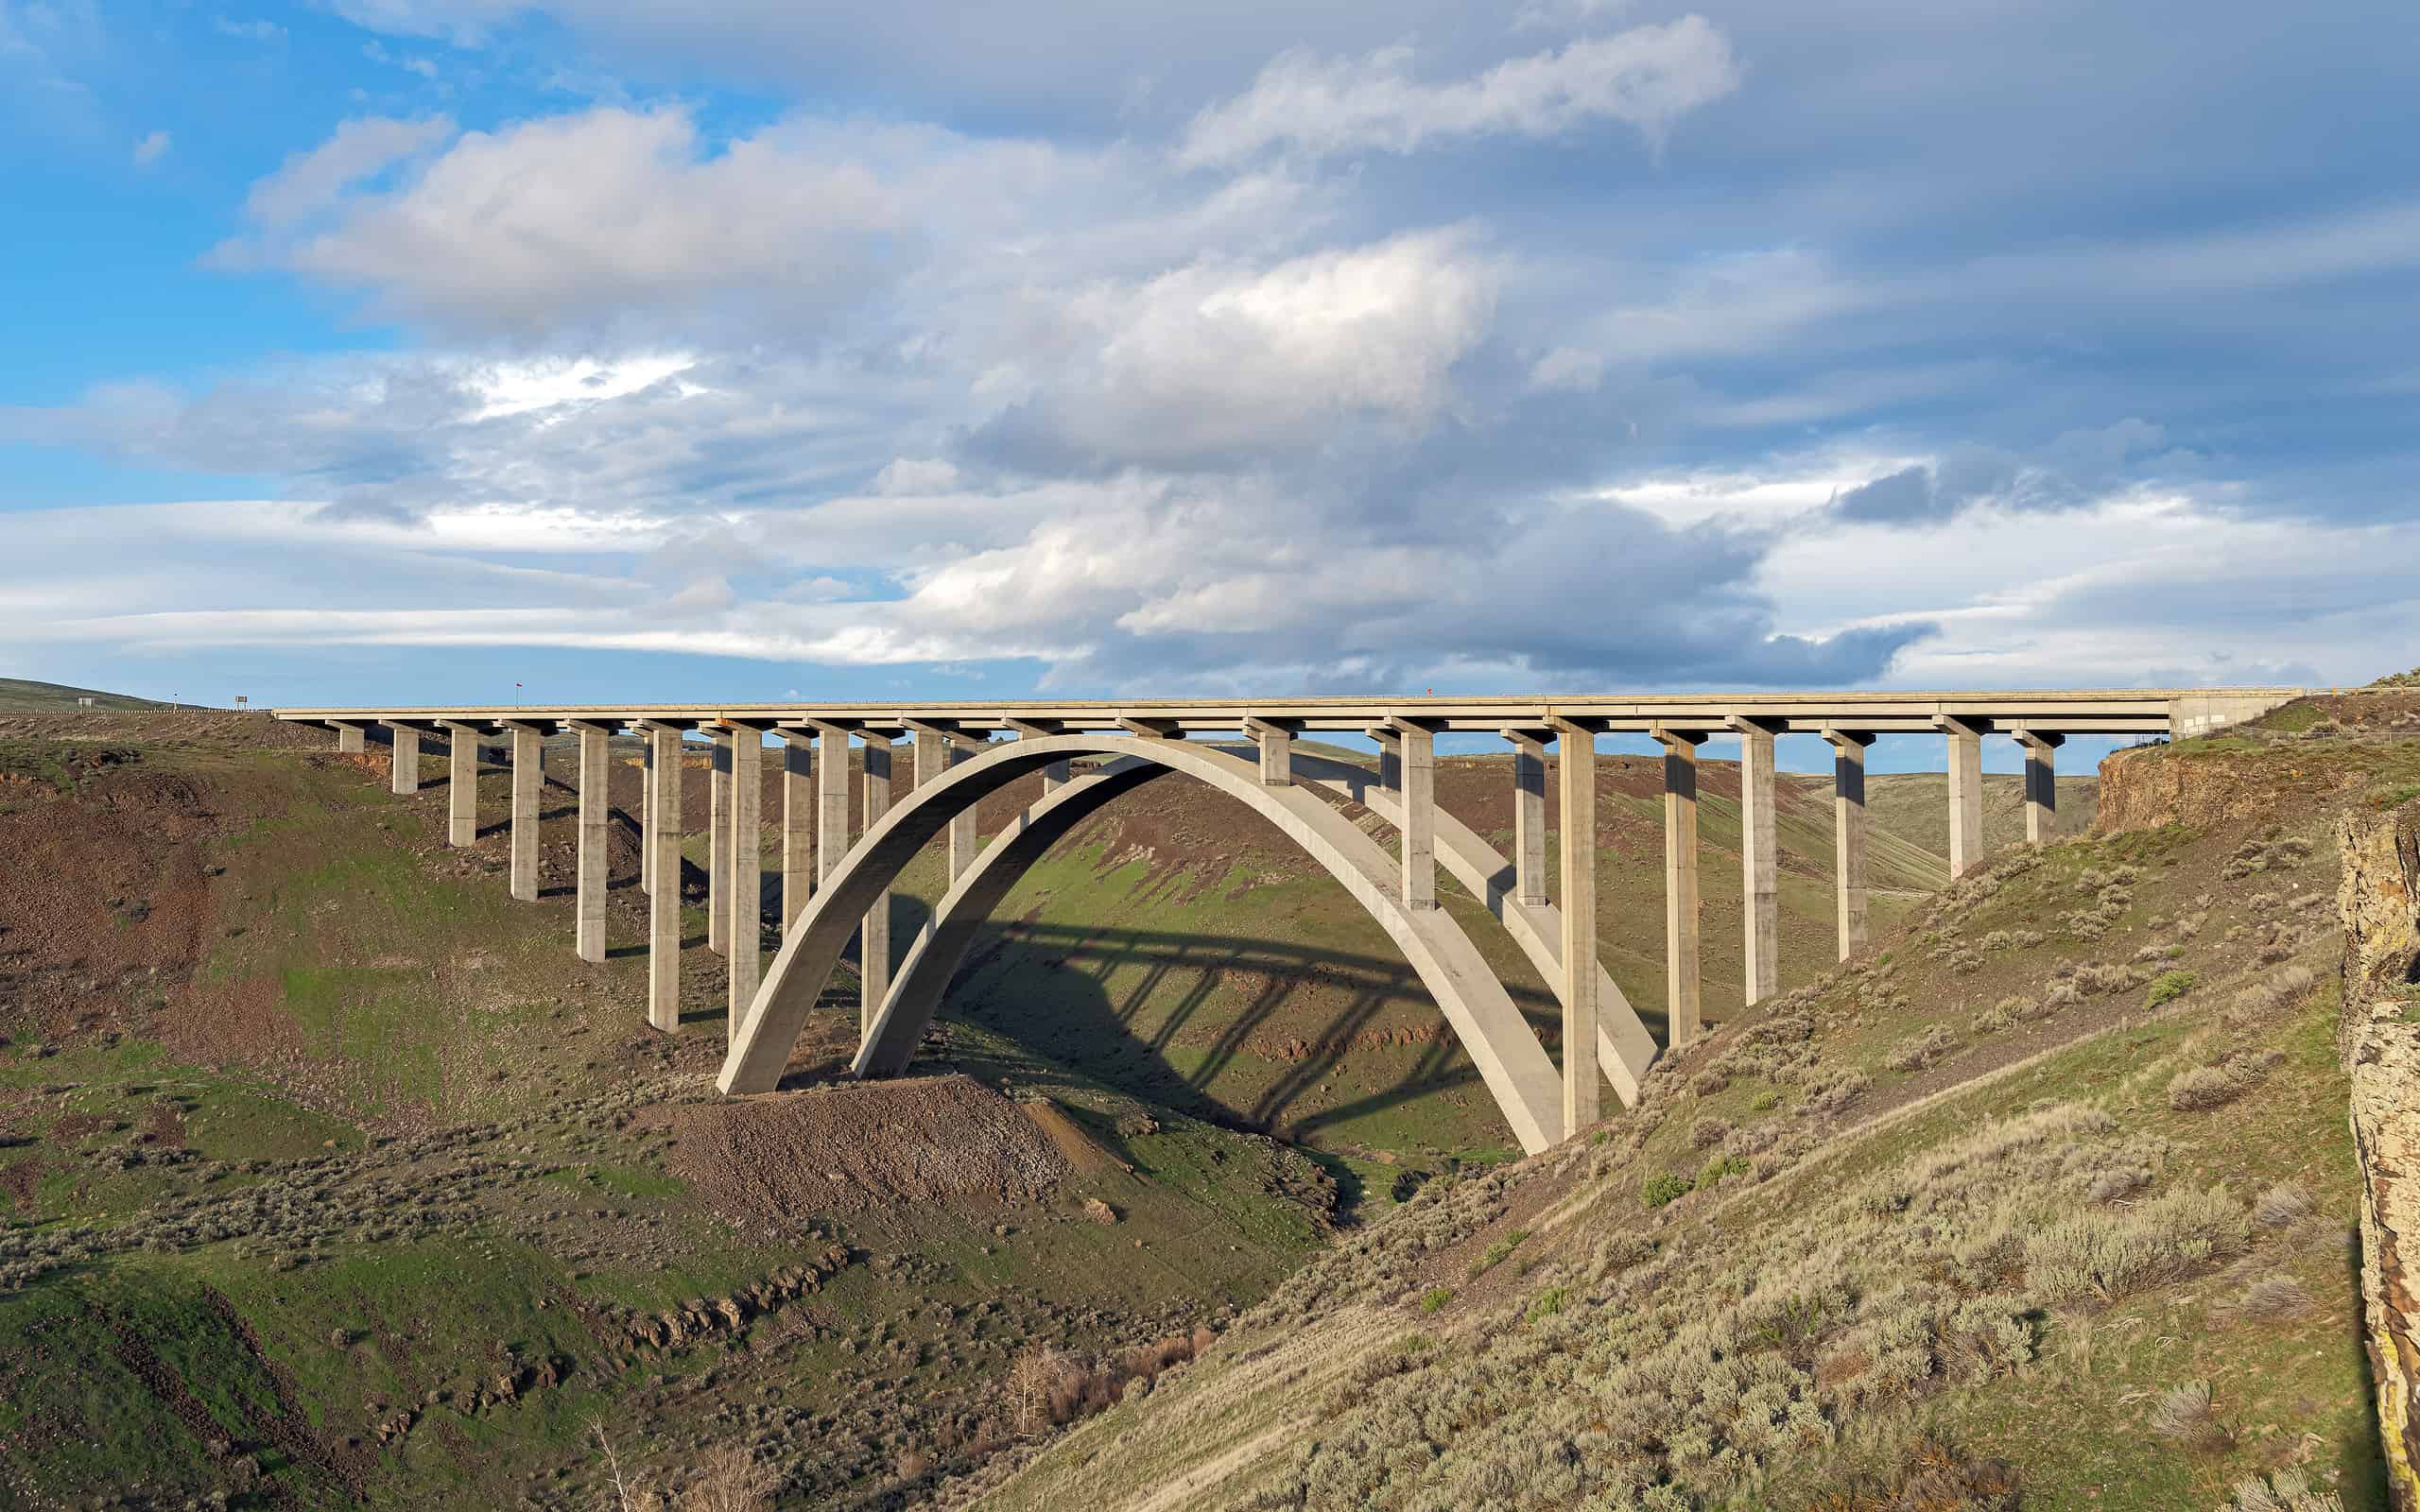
pixel 2379 1036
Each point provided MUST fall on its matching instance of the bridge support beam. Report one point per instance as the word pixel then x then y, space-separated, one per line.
pixel 1759 879
pixel 1416 766
pixel 831 800
pixel 798 824
pixel 352 738
pixel 719 850
pixel 1276 743
pixel 1582 1085
pixel 1054 776
pixel 1529 816
pixel 873 930
pixel 595 807
pixel 529 777
pixel 405 754
pixel 1848 836
pixel 1684 983
pixel 648 813
pixel 462 784
pixel 2041 782
pixel 965 830
pixel 744 885
pixel 1966 792
pixel 664 904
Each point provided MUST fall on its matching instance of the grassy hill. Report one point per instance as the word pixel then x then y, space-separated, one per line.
pixel 2048 1204
pixel 19 695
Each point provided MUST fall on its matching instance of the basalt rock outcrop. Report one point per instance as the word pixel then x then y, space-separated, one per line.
pixel 2379 1038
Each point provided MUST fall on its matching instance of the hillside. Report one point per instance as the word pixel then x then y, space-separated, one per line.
pixel 19 695
pixel 2048 1204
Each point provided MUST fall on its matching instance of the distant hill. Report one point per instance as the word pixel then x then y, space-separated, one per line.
pixel 19 695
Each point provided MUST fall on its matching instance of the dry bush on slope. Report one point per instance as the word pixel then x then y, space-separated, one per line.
pixel 1935 1477
pixel 1684 1375
pixel 729 1479
pixel 2286 1491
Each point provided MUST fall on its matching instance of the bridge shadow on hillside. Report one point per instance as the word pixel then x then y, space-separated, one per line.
pixel 1099 999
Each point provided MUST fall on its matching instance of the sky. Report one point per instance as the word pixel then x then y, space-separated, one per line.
pixel 409 351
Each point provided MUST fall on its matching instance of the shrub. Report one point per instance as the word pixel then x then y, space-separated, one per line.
pixel 1666 1187
pixel 1835 1091
pixel 1435 1299
pixel 2281 1205
pixel 2204 1087
pixel 1765 1102
pixel 2270 1296
pixel 1934 1475
pixel 1549 1302
pixel 2286 1491
pixel 1708 1132
pixel 2184 1413
pixel 1923 1050
pixel 1716 1170
pixel 2167 987
pixel 1494 1254
pixel 2109 1254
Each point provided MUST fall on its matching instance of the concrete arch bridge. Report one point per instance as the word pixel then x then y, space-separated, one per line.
pixel 1089 753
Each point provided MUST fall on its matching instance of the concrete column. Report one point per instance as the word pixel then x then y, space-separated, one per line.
pixel 405 751
pixel 1390 760
pixel 528 778
pixel 798 825
pixel 1966 794
pixel 664 905
pixel 1529 818
pixel 462 785
pixel 595 805
pixel 1848 836
pixel 965 832
pixel 873 937
pixel 649 815
pixel 743 863
pixel 1759 881
pixel 1582 1082
pixel 719 845
pixel 350 739
pixel 1683 993
pixel 1277 744
pixel 831 800
pixel 1417 750
pixel 2041 782
pixel 1054 776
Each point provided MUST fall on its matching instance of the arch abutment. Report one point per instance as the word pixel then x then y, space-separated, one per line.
pixel 1507 1056
pixel 1625 1047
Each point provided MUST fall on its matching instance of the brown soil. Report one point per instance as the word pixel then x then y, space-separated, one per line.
pixel 847 1149
pixel 1081 1154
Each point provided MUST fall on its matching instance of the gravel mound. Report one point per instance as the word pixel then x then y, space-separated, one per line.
pixel 846 1149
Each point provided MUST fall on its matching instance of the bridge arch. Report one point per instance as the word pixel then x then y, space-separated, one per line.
pixel 1511 1062
pixel 920 981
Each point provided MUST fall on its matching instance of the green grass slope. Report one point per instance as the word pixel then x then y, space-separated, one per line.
pixel 2050 1203
pixel 21 695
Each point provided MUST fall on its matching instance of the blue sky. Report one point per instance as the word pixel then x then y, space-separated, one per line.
pixel 397 349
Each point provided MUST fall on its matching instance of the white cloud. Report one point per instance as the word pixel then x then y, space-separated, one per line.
pixel 149 151
pixel 1648 76
pixel 309 184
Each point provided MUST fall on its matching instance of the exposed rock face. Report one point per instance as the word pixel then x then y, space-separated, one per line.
pixel 2379 1036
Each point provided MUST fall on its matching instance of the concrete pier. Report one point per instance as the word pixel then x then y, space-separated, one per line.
pixel 798 825
pixel 596 809
pixel 831 800
pixel 965 829
pixel 404 759
pixel 1966 794
pixel 462 784
pixel 719 845
pixel 352 739
pixel 743 868
pixel 1759 879
pixel 664 904
pixel 649 815
pixel 1276 743
pixel 1684 987
pixel 1528 815
pixel 2041 782
pixel 1054 776
pixel 1583 1081
pixel 1848 836
pixel 528 778
pixel 1417 748
pixel 873 930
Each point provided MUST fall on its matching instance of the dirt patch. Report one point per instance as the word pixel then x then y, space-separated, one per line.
pixel 846 1149
pixel 1075 1146
pixel 18 1180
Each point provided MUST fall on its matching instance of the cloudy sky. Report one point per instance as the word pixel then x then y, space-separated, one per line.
pixel 404 350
